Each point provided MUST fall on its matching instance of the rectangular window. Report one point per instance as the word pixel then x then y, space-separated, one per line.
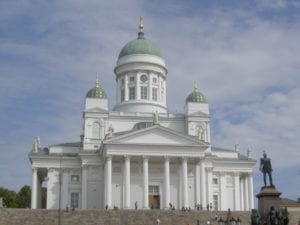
pixel 154 80
pixel 74 178
pixel 131 79
pixel 122 82
pixel 131 93
pixel 153 189
pixel 215 180
pixel 122 95
pixel 74 200
pixel 144 92
pixel 154 94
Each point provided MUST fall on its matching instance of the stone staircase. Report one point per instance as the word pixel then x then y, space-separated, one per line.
pixel 113 217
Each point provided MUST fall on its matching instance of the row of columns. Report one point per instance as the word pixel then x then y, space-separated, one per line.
pixel 242 183
pixel 246 192
pixel 200 176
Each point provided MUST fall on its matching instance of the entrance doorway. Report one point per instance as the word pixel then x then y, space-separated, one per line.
pixel 154 197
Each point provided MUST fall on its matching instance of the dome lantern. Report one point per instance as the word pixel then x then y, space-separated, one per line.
pixel 196 96
pixel 96 92
pixel 140 45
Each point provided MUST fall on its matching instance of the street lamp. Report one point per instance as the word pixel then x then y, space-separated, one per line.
pixel 59 195
pixel 221 221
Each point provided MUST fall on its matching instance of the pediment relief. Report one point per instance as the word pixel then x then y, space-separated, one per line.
pixel 156 135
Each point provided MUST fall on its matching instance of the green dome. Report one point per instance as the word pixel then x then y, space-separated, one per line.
pixel 96 92
pixel 140 46
pixel 196 96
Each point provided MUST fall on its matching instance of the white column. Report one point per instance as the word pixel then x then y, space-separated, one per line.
pixel 197 182
pixel 108 165
pixel 203 184
pixel 185 182
pixel 222 191
pixel 65 188
pixel 250 193
pixel 209 185
pixel 149 87
pixel 167 182
pixel 242 193
pixel 137 91
pixel 246 194
pixel 126 89
pixel 127 182
pixel 237 192
pixel 34 189
pixel 84 186
pixel 145 183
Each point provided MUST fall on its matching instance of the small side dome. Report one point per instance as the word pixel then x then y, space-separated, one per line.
pixel 196 96
pixel 96 92
pixel 140 45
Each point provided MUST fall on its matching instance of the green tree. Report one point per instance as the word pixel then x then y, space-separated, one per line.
pixel 24 197
pixel 9 198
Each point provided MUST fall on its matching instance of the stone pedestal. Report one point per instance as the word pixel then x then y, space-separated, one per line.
pixel 267 197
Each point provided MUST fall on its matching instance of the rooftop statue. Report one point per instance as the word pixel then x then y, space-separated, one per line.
pixel 266 168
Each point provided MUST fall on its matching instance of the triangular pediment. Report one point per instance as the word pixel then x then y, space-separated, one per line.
pixel 156 135
pixel 199 114
pixel 96 110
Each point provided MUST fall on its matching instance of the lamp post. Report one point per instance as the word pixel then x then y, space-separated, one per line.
pixel 59 195
pixel 221 221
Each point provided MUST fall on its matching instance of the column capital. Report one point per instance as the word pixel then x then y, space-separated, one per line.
pixel 84 164
pixel 184 158
pixel 209 169
pixel 108 158
pixel 34 169
pixel 145 157
pixel 127 157
pixel 167 158
pixel 236 173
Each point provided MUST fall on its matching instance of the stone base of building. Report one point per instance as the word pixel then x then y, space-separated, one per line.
pixel 267 197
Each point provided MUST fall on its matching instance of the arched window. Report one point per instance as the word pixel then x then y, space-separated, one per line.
pixel 96 130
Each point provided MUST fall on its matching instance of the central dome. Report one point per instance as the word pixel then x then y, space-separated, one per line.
pixel 140 46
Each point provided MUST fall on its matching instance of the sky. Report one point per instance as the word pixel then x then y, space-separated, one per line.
pixel 243 54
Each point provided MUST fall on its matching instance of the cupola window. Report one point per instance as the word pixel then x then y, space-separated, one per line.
pixel 131 79
pixel 144 91
pixel 122 95
pixel 154 94
pixel 131 93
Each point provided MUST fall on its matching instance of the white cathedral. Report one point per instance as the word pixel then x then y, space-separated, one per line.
pixel 139 154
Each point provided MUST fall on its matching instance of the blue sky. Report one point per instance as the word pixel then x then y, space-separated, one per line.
pixel 244 55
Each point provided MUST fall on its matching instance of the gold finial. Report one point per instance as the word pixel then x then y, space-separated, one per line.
pixel 97 81
pixel 195 86
pixel 141 26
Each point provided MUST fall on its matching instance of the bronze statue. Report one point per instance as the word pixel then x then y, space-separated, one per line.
pixel 272 216
pixel 266 168
pixel 255 217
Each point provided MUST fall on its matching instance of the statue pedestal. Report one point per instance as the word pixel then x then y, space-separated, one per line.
pixel 267 197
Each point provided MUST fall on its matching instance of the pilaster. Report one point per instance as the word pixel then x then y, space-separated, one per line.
pixel 167 182
pixel 84 172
